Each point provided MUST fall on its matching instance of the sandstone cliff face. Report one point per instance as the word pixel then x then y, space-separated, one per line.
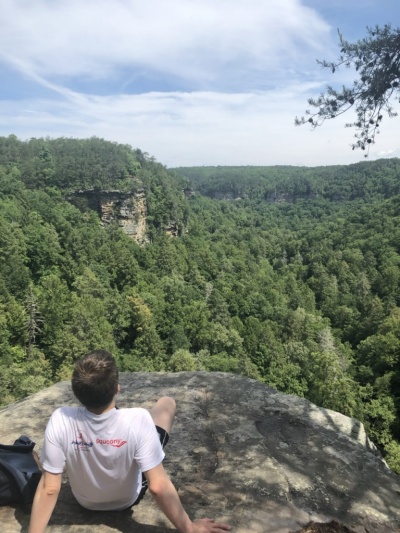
pixel 287 198
pixel 129 210
pixel 272 198
pixel 172 229
pixel 227 195
pixel 240 451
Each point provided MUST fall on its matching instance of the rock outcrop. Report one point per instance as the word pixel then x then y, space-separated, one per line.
pixel 129 210
pixel 287 198
pixel 241 452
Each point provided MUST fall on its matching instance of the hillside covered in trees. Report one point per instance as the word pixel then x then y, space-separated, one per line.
pixel 287 275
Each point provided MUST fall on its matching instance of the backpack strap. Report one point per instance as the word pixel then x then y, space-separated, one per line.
pixel 19 479
pixel 25 441
pixel 18 448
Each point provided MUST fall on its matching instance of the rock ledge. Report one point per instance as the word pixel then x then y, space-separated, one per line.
pixel 241 452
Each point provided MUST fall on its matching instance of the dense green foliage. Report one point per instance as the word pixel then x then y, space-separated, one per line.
pixel 303 295
pixel 376 60
pixel 366 180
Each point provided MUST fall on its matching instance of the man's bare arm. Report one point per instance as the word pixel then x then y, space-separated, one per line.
pixel 168 501
pixel 45 500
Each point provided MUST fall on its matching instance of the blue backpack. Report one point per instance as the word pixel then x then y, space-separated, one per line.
pixel 19 473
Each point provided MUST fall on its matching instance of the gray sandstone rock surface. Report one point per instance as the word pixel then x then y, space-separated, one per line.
pixel 241 452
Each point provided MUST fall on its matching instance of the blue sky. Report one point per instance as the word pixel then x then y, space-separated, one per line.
pixel 191 82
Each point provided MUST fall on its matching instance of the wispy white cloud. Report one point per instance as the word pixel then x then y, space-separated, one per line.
pixel 196 128
pixel 386 153
pixel 199 41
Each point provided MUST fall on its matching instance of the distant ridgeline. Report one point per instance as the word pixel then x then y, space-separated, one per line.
pixel 297 284
pixel 287 184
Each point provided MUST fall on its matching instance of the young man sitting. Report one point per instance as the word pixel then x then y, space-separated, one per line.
pixel 106 450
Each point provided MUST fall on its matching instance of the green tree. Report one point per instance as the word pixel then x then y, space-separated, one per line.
pixel 24 375
pixel 34 320
pixel 376 59
pixel 42 244
pixel 85 323
pixel 54 300
pixel 181 361
pixel 143 349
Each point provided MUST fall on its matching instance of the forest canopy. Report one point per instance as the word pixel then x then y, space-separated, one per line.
pixel 288 275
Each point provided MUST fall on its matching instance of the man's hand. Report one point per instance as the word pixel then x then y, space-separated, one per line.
pixel 208 525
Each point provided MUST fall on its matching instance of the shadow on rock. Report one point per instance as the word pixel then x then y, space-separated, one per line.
pixel 331 527
pixel 75 519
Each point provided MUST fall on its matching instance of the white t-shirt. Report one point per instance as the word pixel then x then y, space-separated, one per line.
pixel 105 454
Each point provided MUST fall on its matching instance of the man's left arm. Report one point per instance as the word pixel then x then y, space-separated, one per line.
pixel 44 502
pixel 166 497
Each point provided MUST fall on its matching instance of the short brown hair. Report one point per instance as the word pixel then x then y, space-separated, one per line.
pixel 95 379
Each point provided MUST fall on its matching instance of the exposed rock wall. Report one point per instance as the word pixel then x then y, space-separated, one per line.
pixel 240 451
pixel 172 229
pixel 129 210
pixel 271 198
pixel 287 198
pixel 227 195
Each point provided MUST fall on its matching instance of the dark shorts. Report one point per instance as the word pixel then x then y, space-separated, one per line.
pixel 164 438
